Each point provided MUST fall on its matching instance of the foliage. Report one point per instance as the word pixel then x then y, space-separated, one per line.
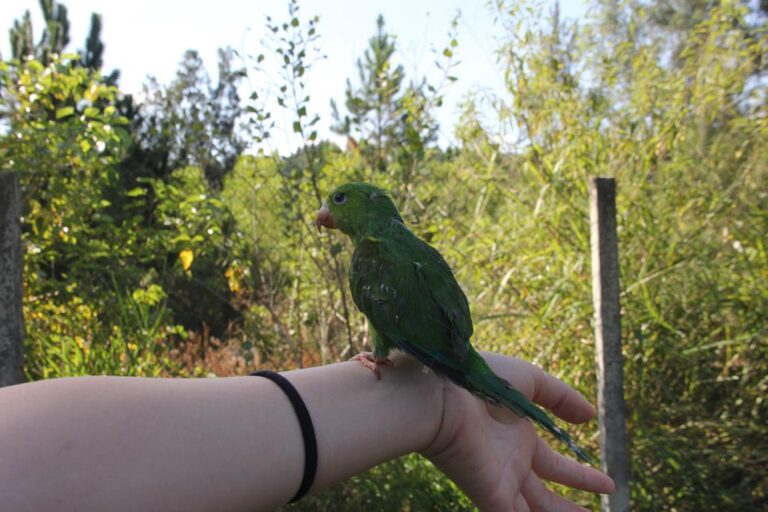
pixel 293 47
pixel 65 156
pixel 70 339
pixel 684 144
pixel 55 38
pixel 195 220
pixel 190 122
pixel 95 248
pixel 55 35
pixel 405 484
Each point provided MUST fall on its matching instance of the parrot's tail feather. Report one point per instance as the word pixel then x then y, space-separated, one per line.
pixel 482 382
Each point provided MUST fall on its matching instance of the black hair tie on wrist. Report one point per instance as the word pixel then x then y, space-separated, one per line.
pixel 307 430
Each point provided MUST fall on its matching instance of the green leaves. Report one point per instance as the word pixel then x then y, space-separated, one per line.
pixel 64 112
pixel 91 112
pixel 647 115
pixel 136 192
pixel 293 45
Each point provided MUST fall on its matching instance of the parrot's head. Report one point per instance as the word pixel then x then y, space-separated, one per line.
pixel 356 208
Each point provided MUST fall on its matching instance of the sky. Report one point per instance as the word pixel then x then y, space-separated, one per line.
pixel 148 38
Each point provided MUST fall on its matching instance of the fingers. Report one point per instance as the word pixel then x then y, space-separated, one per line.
pixel 560 398
pixel 539 497
pixel 521 505
pixel 550 465
pixel 543 388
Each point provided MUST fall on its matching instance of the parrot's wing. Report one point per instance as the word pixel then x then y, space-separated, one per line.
pixel 437 278
pixel 409 294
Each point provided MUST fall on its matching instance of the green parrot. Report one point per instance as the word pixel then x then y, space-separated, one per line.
pixel 413 302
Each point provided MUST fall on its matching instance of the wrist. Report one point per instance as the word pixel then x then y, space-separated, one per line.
pixel 422 393
pixel 360 421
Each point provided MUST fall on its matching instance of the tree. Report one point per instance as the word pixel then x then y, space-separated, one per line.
pixel 55 39
pixel 373 107
pixel 55 35
pixel 387 121
pixel 189 122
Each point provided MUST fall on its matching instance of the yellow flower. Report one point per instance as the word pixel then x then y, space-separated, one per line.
pixel 232 281
pixel 82 344
pixel 187 257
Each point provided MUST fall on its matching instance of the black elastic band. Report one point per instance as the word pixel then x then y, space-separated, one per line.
pixel 307 430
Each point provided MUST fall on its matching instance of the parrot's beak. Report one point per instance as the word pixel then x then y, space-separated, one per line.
pixel 325 218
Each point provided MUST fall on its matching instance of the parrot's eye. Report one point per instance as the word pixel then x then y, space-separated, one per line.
pixel 339 198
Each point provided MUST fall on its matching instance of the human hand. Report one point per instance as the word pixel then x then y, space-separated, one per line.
pixel 497 458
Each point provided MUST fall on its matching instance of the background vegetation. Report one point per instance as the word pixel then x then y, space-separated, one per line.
pixel 155 245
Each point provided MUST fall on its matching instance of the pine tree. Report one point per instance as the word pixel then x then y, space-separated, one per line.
pixel 55 35
pixel 386 120
pixel 55 39
pixel 373 105
pixel 21 37
pixel 94 48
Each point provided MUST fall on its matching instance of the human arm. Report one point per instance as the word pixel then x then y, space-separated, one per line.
pixel 110 443
pixel 99 443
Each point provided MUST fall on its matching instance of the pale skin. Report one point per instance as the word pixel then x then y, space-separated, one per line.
pixel 109 443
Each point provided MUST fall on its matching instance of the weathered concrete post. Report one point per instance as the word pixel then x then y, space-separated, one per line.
pixel 614 452
pixel 11 318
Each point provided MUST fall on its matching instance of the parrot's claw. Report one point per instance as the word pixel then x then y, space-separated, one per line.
pixel 369 361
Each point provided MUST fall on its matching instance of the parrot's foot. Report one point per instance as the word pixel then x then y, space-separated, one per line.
pixel 372 363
